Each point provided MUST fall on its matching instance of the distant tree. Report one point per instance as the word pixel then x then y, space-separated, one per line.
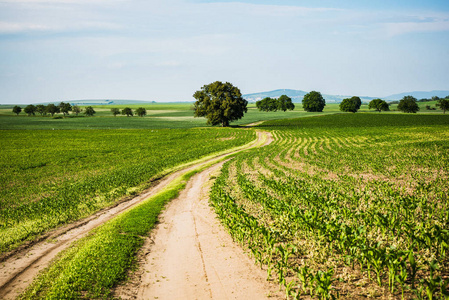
pixel 379 105
pixel 285 103
pixel 65 108
pixel 127 111
pixel 17 110
pixel 348 105
pixel 115 111
pixel 313 102
pixel 52 109
pixel 76 109
pixel 30 110
pixel 221 103
pixel 141 111
pixel 89 111
pixel 41 109
pixel 357 101
pixel 267 104
pixel 435 98
pixel 408 105
pixel 443 104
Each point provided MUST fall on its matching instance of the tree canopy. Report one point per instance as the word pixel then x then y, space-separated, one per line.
pixel 408 104
pixel 285 103
pixel 221 103
pixel 115 111
pixel 267 104
pixel 65 108
pixel 127 111
pixel 52 109
pixel 349 105
pixel 141 111
pixel 89 111
pixel 443 104
pixel 30 109
pixel 76 109
pixel 313 102
pixel 17 110
pixel 379 105
pixel 40 108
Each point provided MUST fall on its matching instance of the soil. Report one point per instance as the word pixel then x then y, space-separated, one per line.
pixel 223 270
pixel 191 256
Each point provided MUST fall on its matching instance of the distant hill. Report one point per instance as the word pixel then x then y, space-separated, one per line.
pixel 298 95
pixel 101 102
pixel 418 95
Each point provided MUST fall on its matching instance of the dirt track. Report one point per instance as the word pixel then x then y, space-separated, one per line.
pixel 203 281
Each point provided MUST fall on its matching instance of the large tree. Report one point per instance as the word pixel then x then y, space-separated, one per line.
pixel 115 111
pixel 379 105
pixel 127 111
pixel 76 109
pixel 285 103
pixel 267 104
pixel 52 109
pixel 89 111
pixel 17 110
pixel 443 104
pixel 408 104
pixel 65 108
pixel 313 102
pixel 348 105
pixel 40 108
pixel 220 103
pixel 30 109
pixel 141 111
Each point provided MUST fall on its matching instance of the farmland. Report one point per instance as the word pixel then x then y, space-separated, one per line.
pixel 344 205
pixel 51 178
pixel 349 206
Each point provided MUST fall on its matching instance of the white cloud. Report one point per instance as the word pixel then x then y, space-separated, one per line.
pixel 23 27
pixel 395 29
pixel 10 27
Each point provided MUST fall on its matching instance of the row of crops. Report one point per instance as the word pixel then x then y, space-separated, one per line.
pixel 50 178
pixel 352 211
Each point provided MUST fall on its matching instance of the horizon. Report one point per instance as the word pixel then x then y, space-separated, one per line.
pixel 164 51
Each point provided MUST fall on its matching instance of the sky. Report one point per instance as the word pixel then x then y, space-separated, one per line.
pixel 165 50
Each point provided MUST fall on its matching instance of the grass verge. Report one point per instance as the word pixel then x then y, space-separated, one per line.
pixel 95 264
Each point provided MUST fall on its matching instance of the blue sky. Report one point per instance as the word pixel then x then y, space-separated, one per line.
pixel 165 50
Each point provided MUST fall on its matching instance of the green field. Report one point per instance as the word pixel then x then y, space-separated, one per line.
pixel 342 204
pixel 347 205
pixel 51 177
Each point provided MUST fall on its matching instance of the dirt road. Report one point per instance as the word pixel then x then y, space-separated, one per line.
pixel 191 256
pixel 18 270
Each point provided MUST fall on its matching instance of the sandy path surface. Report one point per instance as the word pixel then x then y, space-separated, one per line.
pixel 20 267
pixel 192 256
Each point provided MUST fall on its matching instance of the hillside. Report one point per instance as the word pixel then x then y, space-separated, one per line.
pixel 298 95
pixel 418 95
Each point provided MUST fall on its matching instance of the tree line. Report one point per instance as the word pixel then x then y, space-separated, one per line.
pixel 407 104
pixel 52 109
pixel 66 108
pixel 283 103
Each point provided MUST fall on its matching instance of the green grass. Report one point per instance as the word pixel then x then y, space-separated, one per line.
pixel 51 177
pixel 344 120
pixel 91 267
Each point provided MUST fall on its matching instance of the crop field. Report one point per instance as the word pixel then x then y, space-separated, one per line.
pixel 50 178
pixel 348 205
